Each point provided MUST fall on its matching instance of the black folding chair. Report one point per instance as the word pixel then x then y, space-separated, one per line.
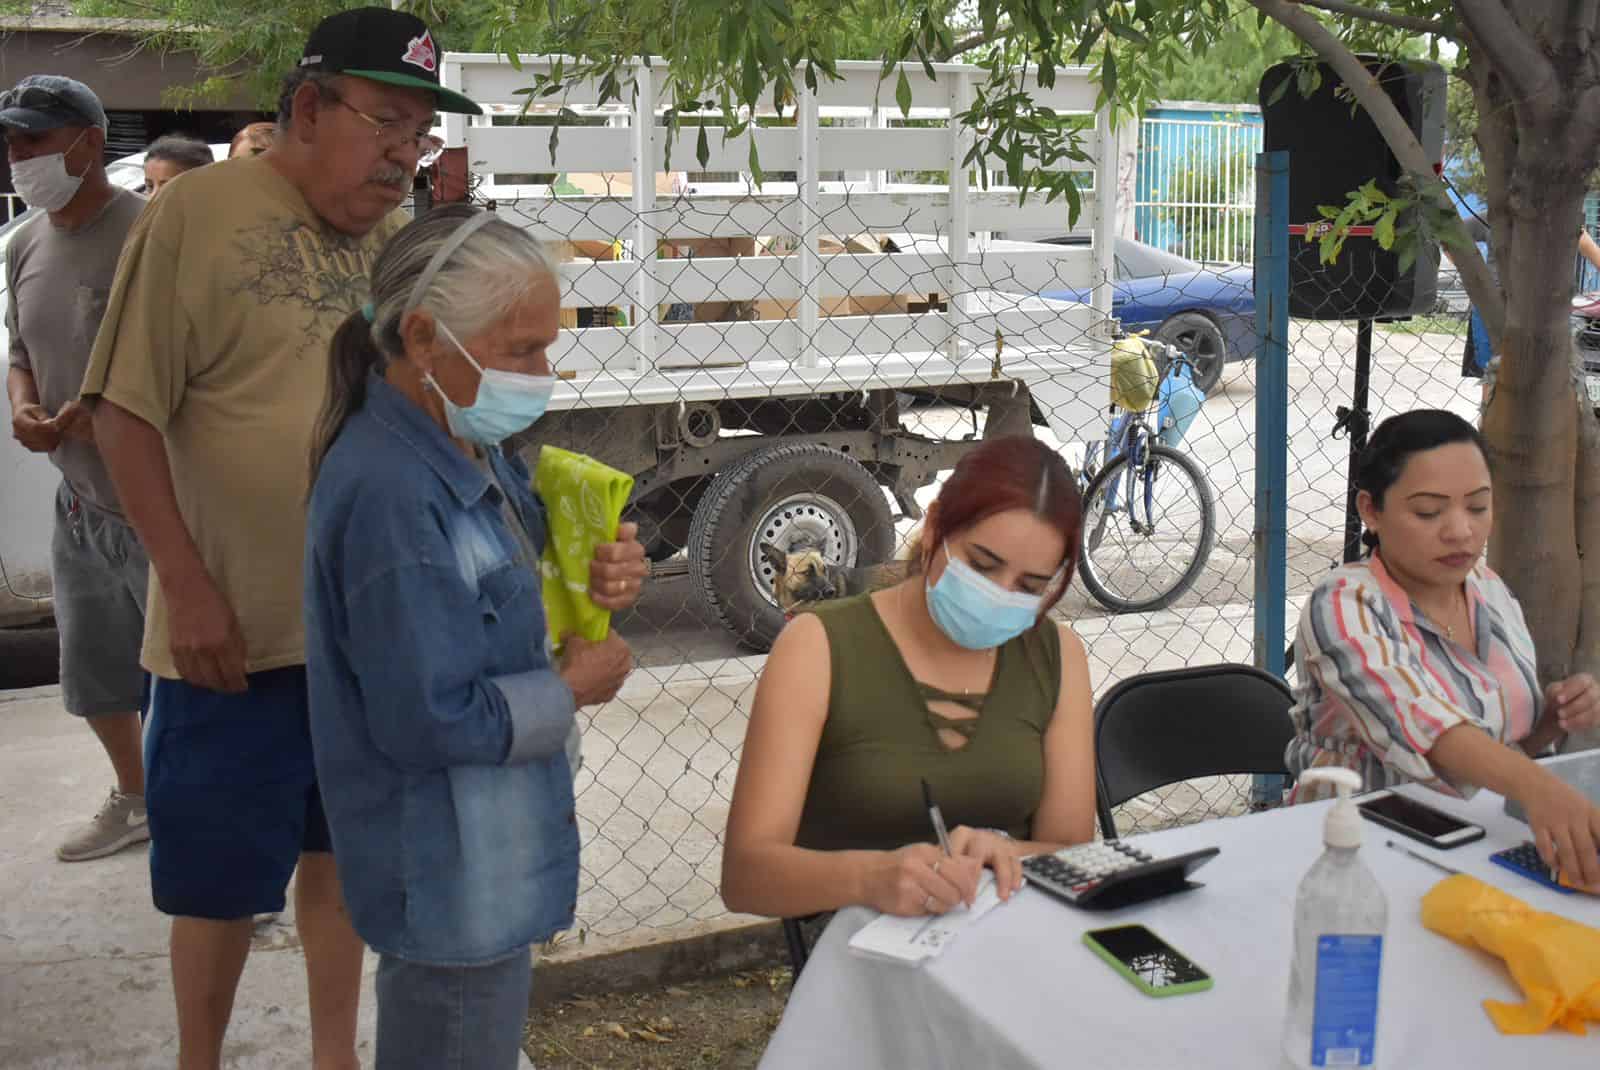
pixel 801 934
pixel 795 936
pixel 1162 727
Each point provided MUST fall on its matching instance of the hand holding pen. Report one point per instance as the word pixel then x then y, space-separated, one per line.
pixel 920 878
pixel 990 849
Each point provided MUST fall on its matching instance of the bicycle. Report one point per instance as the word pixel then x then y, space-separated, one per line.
pixel 1149 514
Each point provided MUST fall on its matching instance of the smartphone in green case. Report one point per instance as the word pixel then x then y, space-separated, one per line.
pixel 1154 967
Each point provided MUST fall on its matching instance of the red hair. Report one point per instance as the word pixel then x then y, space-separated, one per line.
pixel 1002 474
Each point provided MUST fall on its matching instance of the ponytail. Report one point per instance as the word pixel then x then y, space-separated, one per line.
pixel 353 355
pixel 458 263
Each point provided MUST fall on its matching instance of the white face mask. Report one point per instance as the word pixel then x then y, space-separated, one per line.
pixel 43 181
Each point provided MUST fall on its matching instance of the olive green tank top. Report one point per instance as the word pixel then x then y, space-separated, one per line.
pixel 881 739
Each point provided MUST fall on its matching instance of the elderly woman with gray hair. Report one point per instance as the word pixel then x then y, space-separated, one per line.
pixel 444 734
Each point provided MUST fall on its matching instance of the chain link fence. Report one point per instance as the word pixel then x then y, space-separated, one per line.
pixel 763 478
pixel 789 370
pixel 1420 361
pixel 756 479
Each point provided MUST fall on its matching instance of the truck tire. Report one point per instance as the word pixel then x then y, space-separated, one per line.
pixel 790 496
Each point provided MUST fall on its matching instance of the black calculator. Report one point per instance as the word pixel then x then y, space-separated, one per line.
pixel 1526 861
pixel 1111 874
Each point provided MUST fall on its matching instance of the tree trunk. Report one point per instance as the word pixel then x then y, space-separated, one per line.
pixel 1532 418
pixel 1544 441
pixel 1587 653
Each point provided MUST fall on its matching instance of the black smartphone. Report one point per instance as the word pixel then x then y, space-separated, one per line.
pixel 1154 966
pixel 1418 820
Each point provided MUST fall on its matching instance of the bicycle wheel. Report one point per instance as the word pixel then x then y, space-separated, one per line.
pixel 1149 519
pixel 1121 439
pixel 1091 466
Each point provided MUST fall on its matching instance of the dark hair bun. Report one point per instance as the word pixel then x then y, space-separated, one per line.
pixel 1400 436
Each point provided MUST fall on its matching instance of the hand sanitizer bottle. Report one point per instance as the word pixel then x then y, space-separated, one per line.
pixel 1340 916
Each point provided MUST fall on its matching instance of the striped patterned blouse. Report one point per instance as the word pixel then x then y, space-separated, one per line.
pixel 1379 683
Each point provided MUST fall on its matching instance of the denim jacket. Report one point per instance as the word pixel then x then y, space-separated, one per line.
pixel 437 720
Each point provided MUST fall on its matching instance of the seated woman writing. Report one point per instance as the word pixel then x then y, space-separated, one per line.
pixel 956 676
pixel 1416 664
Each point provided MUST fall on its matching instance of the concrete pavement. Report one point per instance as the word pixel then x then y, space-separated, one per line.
pixel 84 980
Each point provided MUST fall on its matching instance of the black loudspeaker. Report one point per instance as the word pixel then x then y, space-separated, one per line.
pixel 1334 148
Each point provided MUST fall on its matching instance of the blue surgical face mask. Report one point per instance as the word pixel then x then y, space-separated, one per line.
pixel 507 402
pixel 974 611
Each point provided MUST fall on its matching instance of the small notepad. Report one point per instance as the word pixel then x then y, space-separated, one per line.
pixel 912 941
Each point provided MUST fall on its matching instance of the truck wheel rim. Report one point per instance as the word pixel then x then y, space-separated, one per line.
pixel 802 520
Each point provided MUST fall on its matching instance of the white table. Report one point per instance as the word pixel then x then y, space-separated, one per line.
pixel 1020 989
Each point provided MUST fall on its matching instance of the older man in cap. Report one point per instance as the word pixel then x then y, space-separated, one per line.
pixel 59 268
pixel 209 372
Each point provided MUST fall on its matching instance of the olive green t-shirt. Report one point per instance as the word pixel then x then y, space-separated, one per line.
pixel 216 333
pixel 881 739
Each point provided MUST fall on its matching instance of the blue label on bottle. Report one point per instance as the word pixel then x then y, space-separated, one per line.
pixel 1344 1017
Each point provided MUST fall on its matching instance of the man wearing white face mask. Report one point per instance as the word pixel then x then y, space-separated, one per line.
pixel 58 274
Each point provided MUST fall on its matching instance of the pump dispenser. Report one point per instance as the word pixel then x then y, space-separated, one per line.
pixel 1340 918
pixel 1343 825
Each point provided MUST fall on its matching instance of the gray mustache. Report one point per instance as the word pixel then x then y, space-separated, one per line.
pixel 398 177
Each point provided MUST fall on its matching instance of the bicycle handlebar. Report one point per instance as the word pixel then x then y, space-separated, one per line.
pixel 1172 353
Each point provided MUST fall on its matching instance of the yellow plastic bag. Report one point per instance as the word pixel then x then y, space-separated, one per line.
pixel 1134 378
pixel 583 499
pixel 1555 961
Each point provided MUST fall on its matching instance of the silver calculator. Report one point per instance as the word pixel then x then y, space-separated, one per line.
pixel 1111 873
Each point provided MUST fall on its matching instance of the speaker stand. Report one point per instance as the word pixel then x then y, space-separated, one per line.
pixel 1355 421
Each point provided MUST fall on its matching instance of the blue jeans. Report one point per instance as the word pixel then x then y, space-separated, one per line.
pixel 452 1017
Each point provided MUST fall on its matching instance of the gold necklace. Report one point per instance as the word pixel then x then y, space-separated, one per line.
pixel 1442 620
pixel 1450 629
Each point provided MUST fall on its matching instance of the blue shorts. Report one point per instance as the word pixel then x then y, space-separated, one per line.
pixel 231 792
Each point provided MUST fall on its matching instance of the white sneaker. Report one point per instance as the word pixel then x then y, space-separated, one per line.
pixel 120 823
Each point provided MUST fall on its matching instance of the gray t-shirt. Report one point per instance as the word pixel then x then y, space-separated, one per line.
pixel 57 284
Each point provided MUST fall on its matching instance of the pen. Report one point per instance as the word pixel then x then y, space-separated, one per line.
pixel 936 817
pixel 1424 859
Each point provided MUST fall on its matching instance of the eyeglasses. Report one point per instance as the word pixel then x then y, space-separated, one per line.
pixel 392 134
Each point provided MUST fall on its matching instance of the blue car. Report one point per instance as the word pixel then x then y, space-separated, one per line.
pixel 1207 312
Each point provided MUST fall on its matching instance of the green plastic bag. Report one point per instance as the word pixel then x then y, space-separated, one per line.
pixel 583 500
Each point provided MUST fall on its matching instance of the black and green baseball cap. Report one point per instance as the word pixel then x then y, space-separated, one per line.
pixel 394 47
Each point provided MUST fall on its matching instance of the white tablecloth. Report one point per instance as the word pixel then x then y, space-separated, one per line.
pixel 1020 989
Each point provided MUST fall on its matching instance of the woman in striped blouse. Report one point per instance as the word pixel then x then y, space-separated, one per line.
pixel 1416 664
